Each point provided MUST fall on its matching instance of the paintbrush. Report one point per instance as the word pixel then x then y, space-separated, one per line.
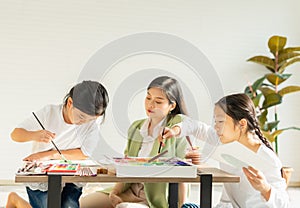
pixel 162 133
pixel 157 156
pixel 61 155
pixel 190 142
pixel 161 143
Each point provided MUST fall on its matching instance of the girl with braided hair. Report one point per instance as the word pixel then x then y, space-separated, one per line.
pixel 235 121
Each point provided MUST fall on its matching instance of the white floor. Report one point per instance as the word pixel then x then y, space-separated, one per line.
pixel 294 193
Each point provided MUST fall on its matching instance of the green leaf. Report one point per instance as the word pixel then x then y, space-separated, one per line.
pixel 290 49
pixel 286 64
pixel 277 79
pixel 257 84
pixel 256 100
pixel 276 44
pixel 265 61
pixel 272 125
pixel 283 57
pixel 271 100
pixel 251 89
pixel 291 128
pixel 275 134
pixel 248 91
pixel 263 119
pixel 267 91
pixel 268 136
pixel 271 137
pixel 288 89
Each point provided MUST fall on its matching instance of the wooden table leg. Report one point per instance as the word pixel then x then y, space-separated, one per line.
pixel 54 191
pixel 173 195
pixel 205 191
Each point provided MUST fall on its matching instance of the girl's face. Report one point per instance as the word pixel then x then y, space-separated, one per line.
pixel 225 126
pixel 76 116
pixel 157 104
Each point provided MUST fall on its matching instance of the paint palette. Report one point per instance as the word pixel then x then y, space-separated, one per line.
pixel 33 168
pixel 162 167
pixel 63 169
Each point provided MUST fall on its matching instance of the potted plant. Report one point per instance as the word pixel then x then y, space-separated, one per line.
pixel 267 92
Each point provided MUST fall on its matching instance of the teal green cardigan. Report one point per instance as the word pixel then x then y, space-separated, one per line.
pixel 156 193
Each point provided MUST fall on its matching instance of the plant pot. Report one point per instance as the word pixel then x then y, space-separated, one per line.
pixel 286 174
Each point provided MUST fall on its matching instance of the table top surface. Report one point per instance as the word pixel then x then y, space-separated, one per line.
pixel 218 176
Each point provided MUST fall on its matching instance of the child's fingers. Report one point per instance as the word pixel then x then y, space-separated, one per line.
pixel 43 136
pixel 167 133
pixel 253 170
pixel 248 173
pixel 257 173
pixel 161 140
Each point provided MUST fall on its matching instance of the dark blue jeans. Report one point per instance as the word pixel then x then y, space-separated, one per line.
pixel 69 197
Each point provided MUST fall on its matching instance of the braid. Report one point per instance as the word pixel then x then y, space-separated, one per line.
pixel 260 135
pixel 240 106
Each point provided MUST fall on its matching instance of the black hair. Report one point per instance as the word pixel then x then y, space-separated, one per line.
pixel 89 97
pixel 240 106
pixel 172 89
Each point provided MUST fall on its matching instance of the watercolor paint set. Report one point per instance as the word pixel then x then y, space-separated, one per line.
pixel 63 169
pixel 59 167
pixel 162 167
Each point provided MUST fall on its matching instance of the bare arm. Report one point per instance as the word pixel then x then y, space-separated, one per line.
pixel 23 135
pixel 72 154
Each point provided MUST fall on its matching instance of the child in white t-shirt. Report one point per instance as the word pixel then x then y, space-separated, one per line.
pixel 73 128
pixel 236 121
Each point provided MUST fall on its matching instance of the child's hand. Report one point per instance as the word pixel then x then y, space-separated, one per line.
pixel 43 136
pixel 47 155
pixel 171 132
pixel 193 155
pixel 168 133
pixel 258 181
pixel 114 198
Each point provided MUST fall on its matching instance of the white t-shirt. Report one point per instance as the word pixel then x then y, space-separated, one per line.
pixel 242 195
pixel 68 136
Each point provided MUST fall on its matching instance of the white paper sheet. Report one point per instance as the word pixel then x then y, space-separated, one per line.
pixel 237 155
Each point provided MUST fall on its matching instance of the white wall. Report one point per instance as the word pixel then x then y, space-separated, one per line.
pixel 44 45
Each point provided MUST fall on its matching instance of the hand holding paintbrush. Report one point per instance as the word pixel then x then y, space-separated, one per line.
pixel 161 143
pixel 61 155
pixel 160 137
pixel 193 153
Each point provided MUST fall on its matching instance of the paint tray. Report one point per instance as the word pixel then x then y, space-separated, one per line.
pixel 162 167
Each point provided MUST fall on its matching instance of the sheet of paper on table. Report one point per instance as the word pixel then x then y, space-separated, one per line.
pixel 82 163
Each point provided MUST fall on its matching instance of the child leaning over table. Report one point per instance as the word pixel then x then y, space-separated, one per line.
pixel 163 102
pixel 73 128
pixel 236 121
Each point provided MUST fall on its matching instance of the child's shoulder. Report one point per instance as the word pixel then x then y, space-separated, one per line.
pixel 51 107
pixel 269 156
